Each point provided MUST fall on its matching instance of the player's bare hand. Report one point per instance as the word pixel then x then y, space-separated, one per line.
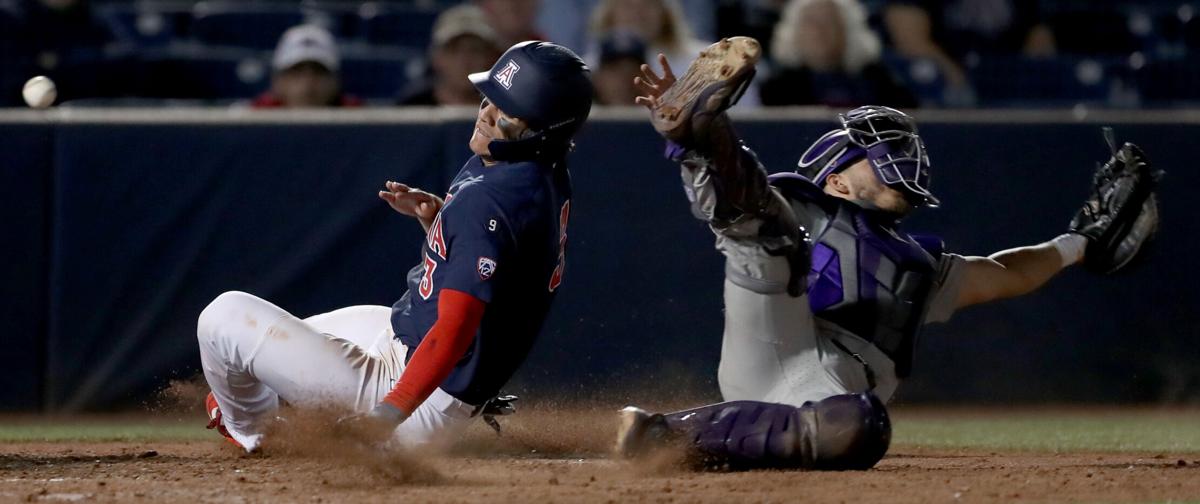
pixel 411 201
pixel 373 426
pixel 651 85
pixel 363 428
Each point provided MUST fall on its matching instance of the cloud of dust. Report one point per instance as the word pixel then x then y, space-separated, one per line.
pixel 542 428
pixel 570 429
pixel 312 435
pixel 181 397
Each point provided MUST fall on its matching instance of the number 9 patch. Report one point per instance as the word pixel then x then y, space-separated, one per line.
pixel 486 267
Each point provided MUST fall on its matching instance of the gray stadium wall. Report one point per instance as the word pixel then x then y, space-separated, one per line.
pixel 120 226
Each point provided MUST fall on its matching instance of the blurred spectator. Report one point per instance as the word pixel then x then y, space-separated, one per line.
pixel 622 54
pixel 825 54
pixel 51 25
pixel 463 43
pixel 658 22
pixel 750 18
pixel 305 72
pixel 513 20
pixel 566 21
pixel 952 32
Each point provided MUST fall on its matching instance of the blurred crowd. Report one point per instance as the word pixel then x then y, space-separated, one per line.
pixel 837 53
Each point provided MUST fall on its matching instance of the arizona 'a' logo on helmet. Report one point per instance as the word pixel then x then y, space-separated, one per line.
pixel 553 96
pixel 506 74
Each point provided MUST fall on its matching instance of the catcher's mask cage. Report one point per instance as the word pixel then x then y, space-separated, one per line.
pixel 888 138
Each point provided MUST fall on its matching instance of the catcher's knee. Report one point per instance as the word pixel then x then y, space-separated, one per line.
pixel 849 431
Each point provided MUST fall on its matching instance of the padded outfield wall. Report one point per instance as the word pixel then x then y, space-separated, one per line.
pixel 119 226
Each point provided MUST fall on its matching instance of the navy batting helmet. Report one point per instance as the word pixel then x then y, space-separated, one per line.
pixel 885 136
pixel 547 86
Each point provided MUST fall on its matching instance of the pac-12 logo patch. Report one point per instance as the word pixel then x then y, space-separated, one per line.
pixel 506 74
pixel 487 267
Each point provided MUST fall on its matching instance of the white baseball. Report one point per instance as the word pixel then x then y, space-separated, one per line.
pixel 39 92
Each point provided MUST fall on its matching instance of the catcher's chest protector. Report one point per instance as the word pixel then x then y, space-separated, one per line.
pixel 868 277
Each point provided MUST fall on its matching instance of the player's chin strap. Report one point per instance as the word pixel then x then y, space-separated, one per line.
pixel 547 143
pixel 494 407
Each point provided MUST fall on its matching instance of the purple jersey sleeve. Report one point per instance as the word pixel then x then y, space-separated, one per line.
pixel 479 242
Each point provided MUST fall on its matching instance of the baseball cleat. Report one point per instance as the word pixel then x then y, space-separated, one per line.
pixel 214 419
pixel 713 83
pixel 639 432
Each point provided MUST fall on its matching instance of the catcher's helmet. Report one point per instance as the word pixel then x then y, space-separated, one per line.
pixel 547 86
pixel 885 136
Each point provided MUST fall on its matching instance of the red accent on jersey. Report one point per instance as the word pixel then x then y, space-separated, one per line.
pixel 446 342
pixel 563 216
pixel 425 288
pixel 435 238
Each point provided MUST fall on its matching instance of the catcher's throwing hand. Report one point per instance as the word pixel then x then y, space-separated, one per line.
pixel 1121 212
pixel 411 201
pixel 651 85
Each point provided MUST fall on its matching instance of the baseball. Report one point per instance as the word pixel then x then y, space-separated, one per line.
pixel 39 92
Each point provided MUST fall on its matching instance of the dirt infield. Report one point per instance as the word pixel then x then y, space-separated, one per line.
pixel 559 457
pixel 199 471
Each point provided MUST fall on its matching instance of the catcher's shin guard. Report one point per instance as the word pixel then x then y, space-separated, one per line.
pixel 853 431
pixel 850 431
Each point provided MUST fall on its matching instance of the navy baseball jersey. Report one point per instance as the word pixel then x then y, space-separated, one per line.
pixel 500 237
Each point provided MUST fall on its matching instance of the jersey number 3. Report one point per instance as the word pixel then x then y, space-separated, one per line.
pixel 563 216
pixel 437 243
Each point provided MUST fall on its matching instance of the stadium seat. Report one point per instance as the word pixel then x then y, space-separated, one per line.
pixel 1170 81
pixel 255 26
pixel 377 77
pixel 1062 81
pixel 1093 32
pixel 145 26
pixel 207 74
pixel 405 26
pixel 921 76
pixel 1191 33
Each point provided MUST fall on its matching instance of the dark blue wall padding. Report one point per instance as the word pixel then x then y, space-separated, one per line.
pixel 24 218
pixel 155 221
pixel 148 222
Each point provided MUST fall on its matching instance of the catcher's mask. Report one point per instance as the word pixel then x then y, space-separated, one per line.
pixel 887 138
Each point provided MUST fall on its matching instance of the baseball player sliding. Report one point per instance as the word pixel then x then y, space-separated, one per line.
pixel 825 294
pixel 493 260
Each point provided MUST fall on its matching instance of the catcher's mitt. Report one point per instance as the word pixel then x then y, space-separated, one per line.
pixel 1121 213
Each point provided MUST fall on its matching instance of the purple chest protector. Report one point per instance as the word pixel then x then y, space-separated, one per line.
pixel 866 275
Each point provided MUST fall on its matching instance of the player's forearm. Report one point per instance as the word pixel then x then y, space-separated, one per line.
pixel 459 316
pixel 726 180
pixel 1031 267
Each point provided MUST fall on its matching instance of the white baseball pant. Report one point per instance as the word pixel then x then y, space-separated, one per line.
pixel 254 353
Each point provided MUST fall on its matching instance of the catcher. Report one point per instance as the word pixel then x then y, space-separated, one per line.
pixel 825 293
